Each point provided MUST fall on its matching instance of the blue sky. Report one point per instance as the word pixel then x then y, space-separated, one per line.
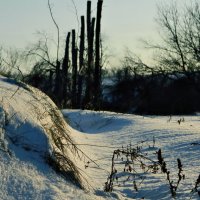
pixel 124 22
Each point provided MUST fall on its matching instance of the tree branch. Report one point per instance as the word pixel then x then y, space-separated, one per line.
pixel 57 27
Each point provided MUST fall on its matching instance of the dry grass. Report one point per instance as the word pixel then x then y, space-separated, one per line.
pixel 62 144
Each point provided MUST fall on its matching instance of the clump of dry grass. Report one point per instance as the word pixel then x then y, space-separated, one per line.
pixel 63 146
pixel 62 143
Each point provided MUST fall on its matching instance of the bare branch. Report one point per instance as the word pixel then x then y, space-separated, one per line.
pixel 31 52
pixel 57 27
pixel 77 17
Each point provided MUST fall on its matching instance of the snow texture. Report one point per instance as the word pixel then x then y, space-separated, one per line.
pixel 103 132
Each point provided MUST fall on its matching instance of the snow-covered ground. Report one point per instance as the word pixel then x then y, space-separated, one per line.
pixel 25 140
pixel 103 132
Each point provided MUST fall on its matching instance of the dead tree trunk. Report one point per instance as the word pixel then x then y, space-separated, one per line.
pixel 65 68
pixel 90 67
pixel 74 70
pixel 87 91
pixel 97 71
pixel 57 87
pixel 81 62
pixel 90 52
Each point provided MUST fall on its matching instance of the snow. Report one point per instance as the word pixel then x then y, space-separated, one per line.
pixel 109 131
pixel 24 142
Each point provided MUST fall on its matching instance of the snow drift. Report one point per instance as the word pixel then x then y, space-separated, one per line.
pixel 33 132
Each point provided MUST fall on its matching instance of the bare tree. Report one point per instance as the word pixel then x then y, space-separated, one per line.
pixel 40 52
pixel 74 69
pixel 191 33
pixel 11 61
pixel 90 55
pixel 65 71
pixel 81 62
pixel 97 71
pixel 44 64
pixel 180 47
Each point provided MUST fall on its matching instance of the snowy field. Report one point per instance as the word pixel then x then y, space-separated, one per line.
pixel 103 132
pixel 24 140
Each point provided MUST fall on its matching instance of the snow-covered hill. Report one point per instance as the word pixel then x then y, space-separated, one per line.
pixel 30 147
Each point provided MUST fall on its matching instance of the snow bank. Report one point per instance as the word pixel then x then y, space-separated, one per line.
pixel 32 134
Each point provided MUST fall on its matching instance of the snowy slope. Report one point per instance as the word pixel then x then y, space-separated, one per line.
pixel 25 143
pixel 104 132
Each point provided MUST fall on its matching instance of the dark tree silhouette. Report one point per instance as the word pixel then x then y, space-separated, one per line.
pixel 74 70
pixel 81 62
pixel 65 71
pixel 97 72
pixel 90 52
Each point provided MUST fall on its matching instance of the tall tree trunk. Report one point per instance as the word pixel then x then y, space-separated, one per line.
pixel 81 62
pixel 65 68
pixel 97 72
pixel 57 88
pixel 74 70
pixel 88 21
pixel 90 54
pixel 90 64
